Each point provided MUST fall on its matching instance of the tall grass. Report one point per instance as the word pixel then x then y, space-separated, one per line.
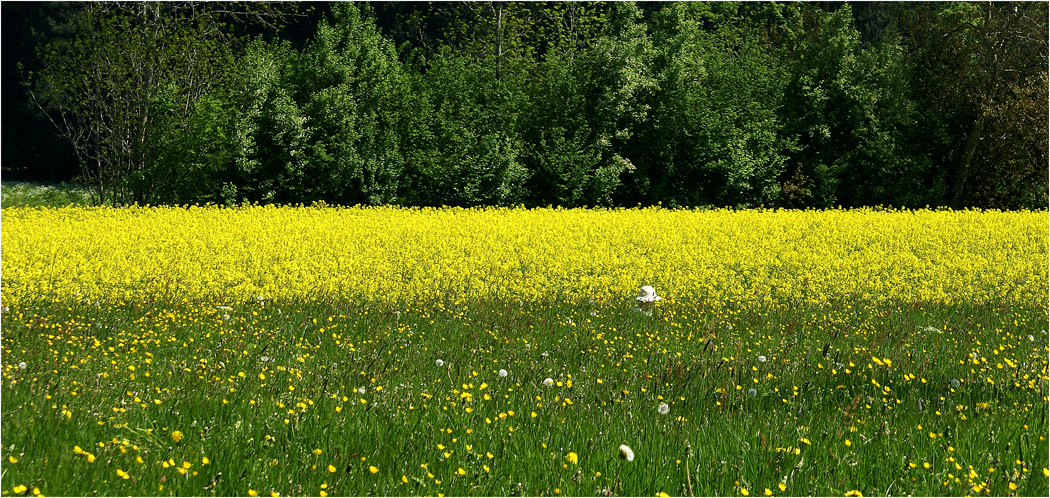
pixel 853 398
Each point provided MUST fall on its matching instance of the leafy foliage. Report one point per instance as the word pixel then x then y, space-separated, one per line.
pixel 544 103
pixel 715 134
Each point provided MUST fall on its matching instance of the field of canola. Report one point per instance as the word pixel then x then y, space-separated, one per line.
pixel 360 351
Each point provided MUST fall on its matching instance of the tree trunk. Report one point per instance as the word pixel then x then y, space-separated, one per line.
pixel 964 162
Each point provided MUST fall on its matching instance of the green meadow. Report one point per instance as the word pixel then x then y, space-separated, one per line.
pixel 337 398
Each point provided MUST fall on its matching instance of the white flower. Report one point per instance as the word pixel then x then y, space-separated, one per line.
pixel 626 453
pixel 752 392
pixel 502 373
pixel 1031 337
pixel 648 295
pixel 361 390
pixel 440 362
pixel 761 359
pixel 22 365
pixel 548 382
pixel 663 409
pixel 973 355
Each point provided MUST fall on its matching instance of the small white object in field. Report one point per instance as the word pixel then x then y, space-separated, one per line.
pixel 440 362
pixel 548 382
pixel 663 409
pixel 626 453
pixel 648 294
pixel 761 359
pixel 502 373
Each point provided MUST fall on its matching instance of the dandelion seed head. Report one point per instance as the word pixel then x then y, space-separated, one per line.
pixel 626 453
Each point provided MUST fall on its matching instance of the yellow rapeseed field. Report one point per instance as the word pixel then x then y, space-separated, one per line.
pixel 388 254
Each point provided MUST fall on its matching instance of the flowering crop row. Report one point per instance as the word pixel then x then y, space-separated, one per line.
pixel 390 254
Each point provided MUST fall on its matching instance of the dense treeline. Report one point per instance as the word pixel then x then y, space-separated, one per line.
pixel 537 103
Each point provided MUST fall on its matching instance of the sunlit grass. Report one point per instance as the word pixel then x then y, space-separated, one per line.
pixel 31 194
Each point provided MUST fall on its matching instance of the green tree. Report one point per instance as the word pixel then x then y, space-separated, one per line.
pixel 714 135
pixel 586 101
pixel 354 91
pixel 471 90
pixel 120 80
pixel 269 134
pixel 472 151
pixel 981 72
pixel 324 124
pixel 848 107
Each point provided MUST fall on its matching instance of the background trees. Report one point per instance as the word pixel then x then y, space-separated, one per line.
pixel 500 103
pixel 714 137
pixel 981 71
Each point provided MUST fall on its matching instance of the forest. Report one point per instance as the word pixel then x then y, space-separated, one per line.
pixel 572 104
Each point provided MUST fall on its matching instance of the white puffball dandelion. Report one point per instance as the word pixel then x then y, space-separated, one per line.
pixel 502 373
pixel 548 382
pixel 955 382
pixel 626 453
pixel 663 409
pixel 752 392
pixel 361 390
pixel 22 365
pixel 440 362
pixel 761 359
